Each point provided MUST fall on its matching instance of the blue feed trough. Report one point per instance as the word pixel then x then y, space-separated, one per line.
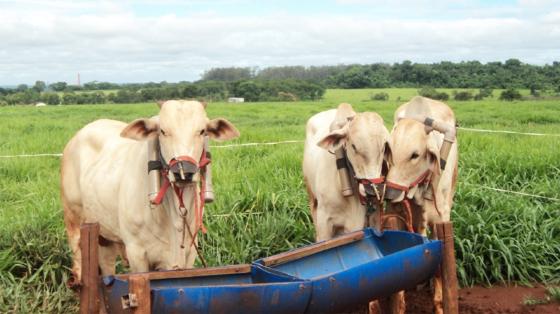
pixel 327 277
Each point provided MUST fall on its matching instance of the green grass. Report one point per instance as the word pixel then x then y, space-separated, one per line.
pixel 261 205
pixel 554 293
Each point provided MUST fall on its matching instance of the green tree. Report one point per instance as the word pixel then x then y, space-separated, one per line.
pixel 510 94
pixel 50 98
pixel 462 95
pixel 58 86
pixel 39 86
pixel 69 98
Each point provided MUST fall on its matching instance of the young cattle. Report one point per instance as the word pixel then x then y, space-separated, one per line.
pixel 423 165
pixel 104 179
pixel 359 137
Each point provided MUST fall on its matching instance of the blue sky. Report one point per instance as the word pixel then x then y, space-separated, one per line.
pixel 371 9
pixel 172 40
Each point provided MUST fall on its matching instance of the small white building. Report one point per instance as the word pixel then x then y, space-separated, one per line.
pixel 236 99
pixel 40 104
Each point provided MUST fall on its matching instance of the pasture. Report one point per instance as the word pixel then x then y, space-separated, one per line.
pixel 261 206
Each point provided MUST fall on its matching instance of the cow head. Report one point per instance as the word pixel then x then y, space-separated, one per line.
pixel 415 153
pixel 364 138
pixel 180 128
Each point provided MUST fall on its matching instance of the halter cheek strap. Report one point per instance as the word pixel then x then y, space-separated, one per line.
pixel 423 178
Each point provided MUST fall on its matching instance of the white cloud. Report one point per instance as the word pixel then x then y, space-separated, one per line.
pixel 111 42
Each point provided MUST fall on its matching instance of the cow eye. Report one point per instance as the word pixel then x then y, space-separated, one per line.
pixel 162 132
pixel 414 155
pixel 354 148
pixel 202 131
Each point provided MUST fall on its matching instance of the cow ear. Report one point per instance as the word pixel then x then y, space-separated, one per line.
pixel 141 129
pixel 221 130
pixel 388 154
pixel 433 154
pixel 160 103
pixel 334 140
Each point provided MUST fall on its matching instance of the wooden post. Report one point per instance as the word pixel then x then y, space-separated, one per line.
pixel 139 295
pixel 89 293
pixel 448 268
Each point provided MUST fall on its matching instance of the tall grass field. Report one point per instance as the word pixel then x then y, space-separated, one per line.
pixel 261 204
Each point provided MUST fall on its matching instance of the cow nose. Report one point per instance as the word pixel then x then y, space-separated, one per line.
pixel 374 190
pixel 393 194
pixel 184 170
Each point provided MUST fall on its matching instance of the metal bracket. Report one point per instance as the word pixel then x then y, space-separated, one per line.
pixel 129 301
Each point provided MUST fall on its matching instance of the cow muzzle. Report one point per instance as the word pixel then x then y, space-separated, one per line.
pixel 372 190
pixel 394 195
pixel 183 169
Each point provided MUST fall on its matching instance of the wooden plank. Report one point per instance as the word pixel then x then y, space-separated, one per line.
pixel 448 269
pixel 210 271
pixel 306 251
pixel 139 294
pixel 89 293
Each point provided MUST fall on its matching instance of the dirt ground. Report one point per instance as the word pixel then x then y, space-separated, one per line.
pixel 494 300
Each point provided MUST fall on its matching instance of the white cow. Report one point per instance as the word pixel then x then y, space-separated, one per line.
pixel 423 171
pixel 363 137
pixel 104 179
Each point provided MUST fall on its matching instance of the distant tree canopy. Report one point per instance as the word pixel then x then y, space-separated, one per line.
pixel 227 74
pixel 469 74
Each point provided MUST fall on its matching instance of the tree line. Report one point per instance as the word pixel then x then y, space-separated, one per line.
pixel 469 74
pixel 251 90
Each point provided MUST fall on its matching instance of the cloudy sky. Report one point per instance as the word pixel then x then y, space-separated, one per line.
pixel 172 40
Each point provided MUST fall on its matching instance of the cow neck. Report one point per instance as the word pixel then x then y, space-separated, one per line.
pixel 182 211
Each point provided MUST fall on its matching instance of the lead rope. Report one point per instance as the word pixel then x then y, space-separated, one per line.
pixel 183 214
pixel 198 204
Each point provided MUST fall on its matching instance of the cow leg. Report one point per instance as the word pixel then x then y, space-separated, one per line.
pixel 72 222
pixel 108 253
pixel 438 293
pixel 137 258
pixel 398 305
pixel 324 227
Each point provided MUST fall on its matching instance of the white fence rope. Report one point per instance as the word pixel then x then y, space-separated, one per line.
pixel 32 155
pixel 257 144
pixel 515 192
pixel 507 132
pixel 212 146
pixel 234 214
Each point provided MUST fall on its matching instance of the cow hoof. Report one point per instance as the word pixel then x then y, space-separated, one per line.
pixel 374 307
pixel 73 283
